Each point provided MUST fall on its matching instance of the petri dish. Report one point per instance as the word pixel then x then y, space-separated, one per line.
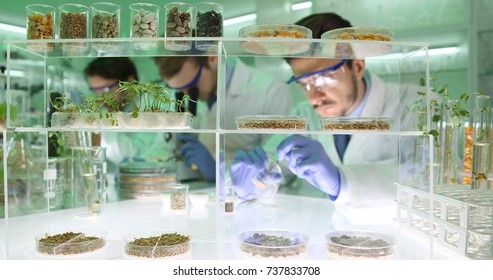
pixel 273 244
pixel 367 42
pixel 156 244
pixel 360 245
pixel 271 122
pixel 146 167
pixel 356 123
pixel 278 31
pixel 70 241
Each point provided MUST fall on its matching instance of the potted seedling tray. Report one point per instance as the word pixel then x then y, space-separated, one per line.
pixel 274 35
pixel 273 244
pixel 268 122
pixel 366 42
pixel 71 242
pixel 149 120
pixel 360 245
pixel 156 244
pixel 356 123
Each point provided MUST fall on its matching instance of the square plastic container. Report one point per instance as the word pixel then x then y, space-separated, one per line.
pixel 157 244
pixel 356 123
pixel 273 244
pixel 70 242
pixel 269 122
pixel 373 45
pixel 360 245
pixel 278 31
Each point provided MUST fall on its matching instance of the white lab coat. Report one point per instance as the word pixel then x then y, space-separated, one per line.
pixel 370 162
pixel 250 92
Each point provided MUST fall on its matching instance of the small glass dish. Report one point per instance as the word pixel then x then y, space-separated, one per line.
pixel 360 245
pixel 271 122
pixel 156 244
pixel 147 167
pixel 279 31
pixel 70 242
pixel 372 45
pixel 356 123
pixel 273 244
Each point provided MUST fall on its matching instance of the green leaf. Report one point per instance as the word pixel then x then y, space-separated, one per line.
pixel 433 132
pixel 436 118
pixel 464 113
pixel 421 92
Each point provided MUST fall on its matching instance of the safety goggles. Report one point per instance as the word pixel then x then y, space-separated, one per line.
pixel 193 83
pixel 105 88
pixel 319 79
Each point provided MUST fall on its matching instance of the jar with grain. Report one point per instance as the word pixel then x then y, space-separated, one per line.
pixel 105 24
pixel 74 20
pixel 178 25
pixel 209 24
pixel 144 23
pixel 40 25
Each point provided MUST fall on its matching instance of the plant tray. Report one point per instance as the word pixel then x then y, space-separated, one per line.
pixel 149 120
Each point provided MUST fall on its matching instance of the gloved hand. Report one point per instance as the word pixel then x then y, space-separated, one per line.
pixel 196 153
pixel 307 159
pixel 246 168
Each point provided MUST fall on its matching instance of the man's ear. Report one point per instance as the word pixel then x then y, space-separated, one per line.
pixel 212 62
pixel 359 68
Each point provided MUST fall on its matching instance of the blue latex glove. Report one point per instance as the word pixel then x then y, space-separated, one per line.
pixel 307 159
pixel 196 153
pixel 246 168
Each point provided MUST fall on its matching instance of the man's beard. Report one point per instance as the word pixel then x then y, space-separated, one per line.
pixel 351 97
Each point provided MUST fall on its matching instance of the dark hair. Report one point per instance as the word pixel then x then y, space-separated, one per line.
pixel 321 23
pixel 170 65
pixel 120 68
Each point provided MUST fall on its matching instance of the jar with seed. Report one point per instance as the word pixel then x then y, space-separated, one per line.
pixel 178 197
pixel 74 19
pixel 144 23
pixel 209 24
pixel 105 19
pixel 40 25
pixel 178 24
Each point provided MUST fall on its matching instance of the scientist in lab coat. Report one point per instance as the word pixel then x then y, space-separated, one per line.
pixel 103 75
pixel 248 92
pixel 353 170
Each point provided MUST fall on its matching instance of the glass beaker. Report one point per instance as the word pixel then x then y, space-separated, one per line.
pixel 105 24
pixel 46 185
pixel 178 197
pixel 178 24
pixel 74 24
pixel 40 24
pixel 209 24
pixel 144 23
pixel 85 188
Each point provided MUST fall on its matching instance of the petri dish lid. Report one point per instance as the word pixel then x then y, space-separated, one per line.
pixel 145 167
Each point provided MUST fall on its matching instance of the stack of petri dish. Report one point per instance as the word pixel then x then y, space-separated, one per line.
pixel 145 180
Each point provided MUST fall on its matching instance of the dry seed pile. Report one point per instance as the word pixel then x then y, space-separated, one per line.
pixel 369 125
pixel 271 246
pixel 287 124
pixel 209 24
pixel 144 24
pixel 105 26
pixel 73 25
pixel 177 23
pixel 178 200
pixel 40 26
pixel 165 245
pixel 364 247
pixel 69 243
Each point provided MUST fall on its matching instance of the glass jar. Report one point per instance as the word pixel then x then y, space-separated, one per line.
pixel 40 24
pixel 74 24
pixel 209 24
pixel 178 24
pixel 144 23
pixel 105 24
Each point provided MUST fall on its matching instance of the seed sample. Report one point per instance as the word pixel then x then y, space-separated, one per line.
pixel 271 122
pixel 177 23
pixel 229 207
pixel 356 123
pixel 273 244
pixel 144 24
pixel 178 200
pixel 209 24
pixel 68 243
pixel 40 26
pixel 73 25
pixel 105 26
pixel 360 245
pixel 159 246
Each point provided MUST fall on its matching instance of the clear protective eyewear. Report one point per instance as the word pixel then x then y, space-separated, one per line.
pixel 193 83
pixel 105 88
pixel 319 79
